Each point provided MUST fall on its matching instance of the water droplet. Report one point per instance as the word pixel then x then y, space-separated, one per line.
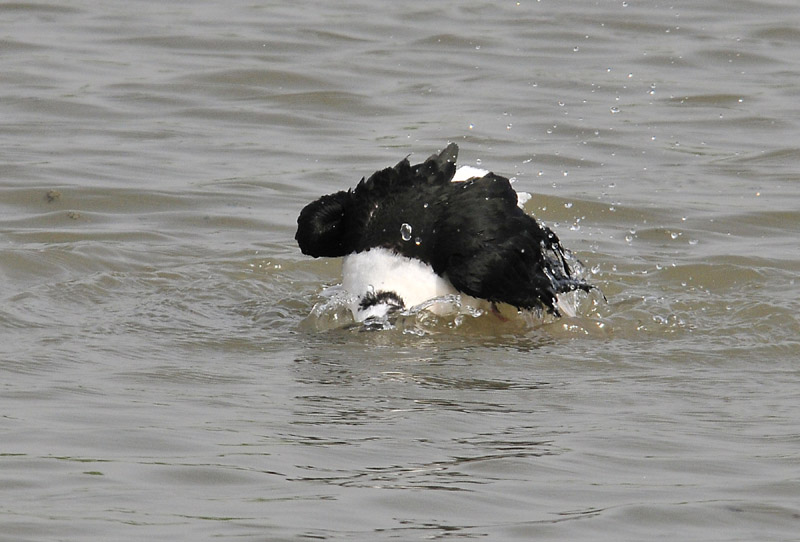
pixel 418 241
pixel 405 232
pixel 576 49
pixel 693 241
pixel 674 235
pixel 568 205
pixel 424 205
pixel 615 109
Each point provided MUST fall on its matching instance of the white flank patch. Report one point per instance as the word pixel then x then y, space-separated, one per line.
pixel 465 173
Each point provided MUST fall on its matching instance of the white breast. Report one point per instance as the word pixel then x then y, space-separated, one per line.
pixel 380 269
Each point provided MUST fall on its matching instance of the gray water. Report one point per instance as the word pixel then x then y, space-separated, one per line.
pixel 160 377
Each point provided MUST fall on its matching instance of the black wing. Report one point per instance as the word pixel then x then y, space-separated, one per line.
pixel 372 213
pixel 492 250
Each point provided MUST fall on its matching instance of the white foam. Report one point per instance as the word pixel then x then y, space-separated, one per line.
pixel 566 304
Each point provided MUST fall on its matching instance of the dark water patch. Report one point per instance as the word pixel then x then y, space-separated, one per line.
pixel 11 46
pixel 734 58
pixel 199 45
pixel 262 78
pixel 720 100
pixel 32 7
pixel 778 35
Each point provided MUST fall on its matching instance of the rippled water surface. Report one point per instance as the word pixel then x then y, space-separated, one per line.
pixel 160 375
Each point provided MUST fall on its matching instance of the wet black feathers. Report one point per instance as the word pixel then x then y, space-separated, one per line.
pixel 472 232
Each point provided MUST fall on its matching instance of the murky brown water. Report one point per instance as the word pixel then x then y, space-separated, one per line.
pixel 159 375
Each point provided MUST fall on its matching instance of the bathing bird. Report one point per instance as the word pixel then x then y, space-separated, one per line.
pixel 413 233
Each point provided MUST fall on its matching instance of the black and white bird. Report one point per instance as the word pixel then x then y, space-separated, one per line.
pixel 411 234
